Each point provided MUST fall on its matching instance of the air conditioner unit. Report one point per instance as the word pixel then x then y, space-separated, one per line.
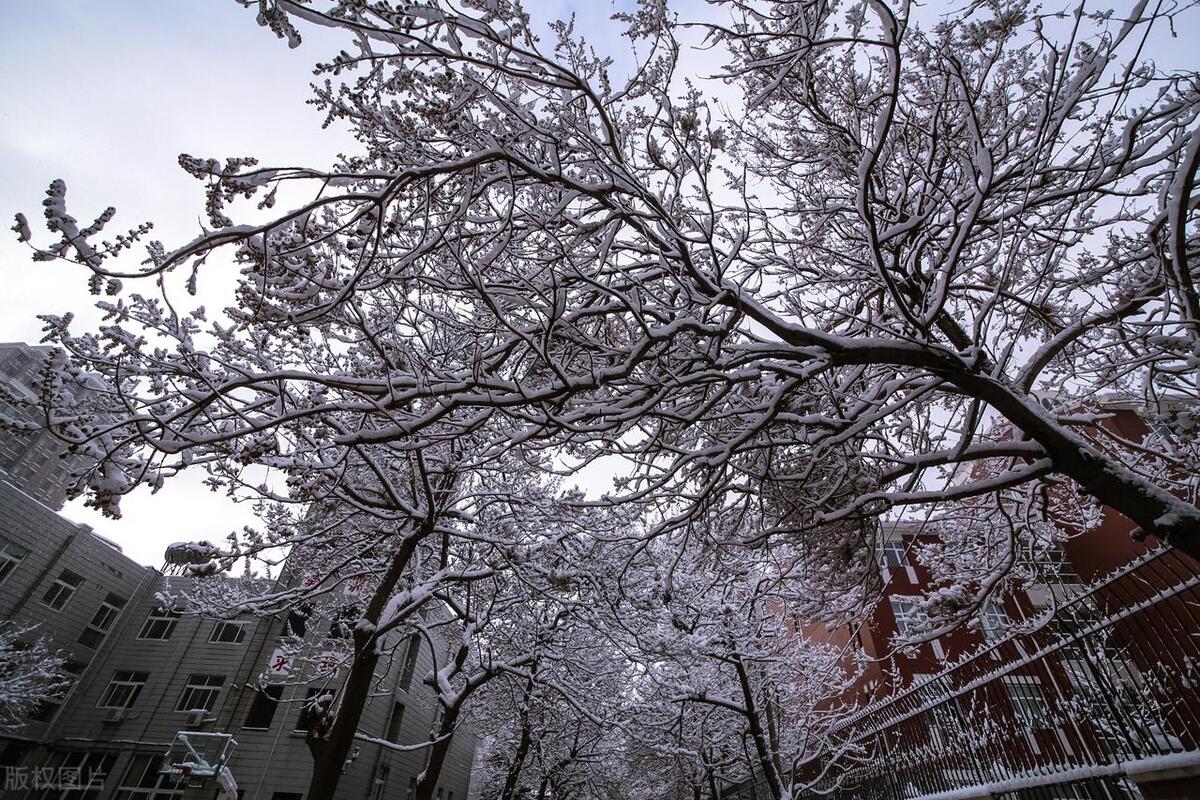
pixel 114 715
pixel 197 717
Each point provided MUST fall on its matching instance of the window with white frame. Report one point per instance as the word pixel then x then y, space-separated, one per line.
pixel 904 610
pixel 102 621
pixel 201 693
pixel 1028 702
pixel 11 556
pixel 893 554
pixel 993 619
pixel 123 689
pixel 227 632
pixel 159 625
pixel 942 709
pixel 62 589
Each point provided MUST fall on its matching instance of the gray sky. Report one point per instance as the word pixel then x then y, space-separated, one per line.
pixel 106 95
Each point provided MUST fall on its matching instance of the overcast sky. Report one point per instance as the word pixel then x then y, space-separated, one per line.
pixel 106 96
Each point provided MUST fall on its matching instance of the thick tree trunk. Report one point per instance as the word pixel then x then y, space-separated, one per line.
pixel 330 751
pixel 1153 509
pixel 518 761
pixel 331 748
pixel 765 761
pixel 327 773
pixel 437 755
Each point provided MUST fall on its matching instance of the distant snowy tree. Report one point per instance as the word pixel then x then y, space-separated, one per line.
pixel 31 673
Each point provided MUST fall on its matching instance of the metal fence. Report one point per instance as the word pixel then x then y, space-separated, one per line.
pixel 1103 688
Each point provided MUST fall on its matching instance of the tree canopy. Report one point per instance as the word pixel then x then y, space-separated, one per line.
pixel 874 263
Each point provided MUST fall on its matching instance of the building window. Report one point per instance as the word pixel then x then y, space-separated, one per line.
pixel 342 624
pixel 143 781
pixel 306 710
pixel 159 625
pixel 297 621
pixel 395 720
pixel 123 689
pixel 45 710
pixel 993 620
pixel 1064 570
pixel 47 707
pixel 91 769
pixel 1028 702
pixel 200 693
pixel 228 632
pixel 61 590
pixel 102 621
pixel 941 709
pixel 904 610
pixel 410 662
pixel 893 555
pixel 262 710
pixel 11 555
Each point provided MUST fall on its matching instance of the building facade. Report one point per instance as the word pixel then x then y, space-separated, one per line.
pixel 1085 684
pixel 32 460
pixel 145 673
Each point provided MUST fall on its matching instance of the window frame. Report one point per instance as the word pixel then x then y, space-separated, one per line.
pixel 222 625
pixel 269 696
pixel 410 662
pixel 902 618
pixel 49 706
pixel 165 618
pixel 133 684
pixel 64 586
pixel 994 621
pixel 896 548
pixel 302 720
pixel 12 555
pixel 1032 710
pixel 161 786
pixel 94 767
pixel 111 608
pixel 200 685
